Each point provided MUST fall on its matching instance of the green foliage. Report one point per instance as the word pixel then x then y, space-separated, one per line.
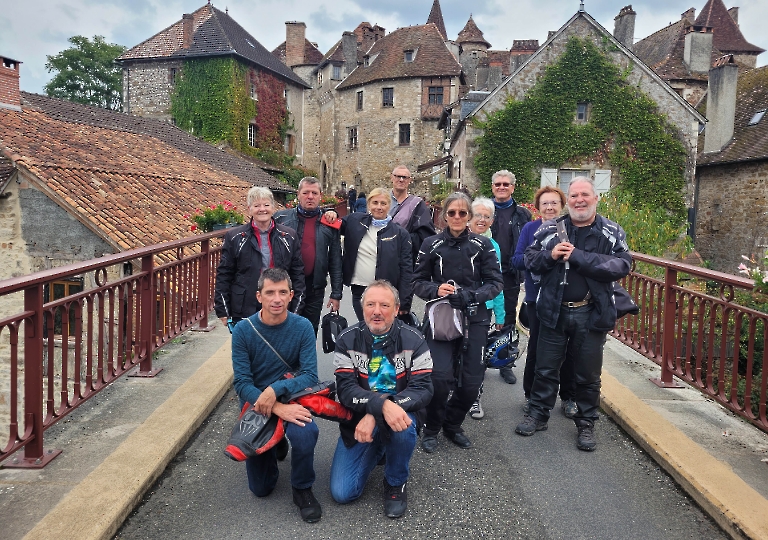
pixel 625 129
pixel 217 214
pixel 652 231
pixel 86 73
pixel 211 100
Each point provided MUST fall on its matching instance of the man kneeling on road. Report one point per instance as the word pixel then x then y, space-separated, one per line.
pixel 578 257
pixel 383 374
pixel 262 345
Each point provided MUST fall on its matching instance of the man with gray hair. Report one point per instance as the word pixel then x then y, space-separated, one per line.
pixel 410 211
pixel 320 249
pixel 506 228
pixel 578 257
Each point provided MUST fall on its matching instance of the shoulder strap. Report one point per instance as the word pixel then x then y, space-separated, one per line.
pixel 268 344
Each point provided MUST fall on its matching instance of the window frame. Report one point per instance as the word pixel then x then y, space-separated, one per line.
pixel 50 296
pixel 336 73
pixel 353 140
pixel 252 131
pixel 401 132
pixel 391 91
pixel 360 100
pixel 433 93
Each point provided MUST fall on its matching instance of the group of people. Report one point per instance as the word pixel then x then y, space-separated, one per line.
pixel 398 382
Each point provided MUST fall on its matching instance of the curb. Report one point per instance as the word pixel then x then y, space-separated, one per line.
pixel 740 510
pixel 98 506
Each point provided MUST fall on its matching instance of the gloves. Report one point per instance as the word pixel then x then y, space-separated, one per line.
pixel 461 299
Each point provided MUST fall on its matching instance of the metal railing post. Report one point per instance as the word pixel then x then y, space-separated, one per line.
pixel 35 457
pixel 668 332
pixel 204 287
pixel 148 296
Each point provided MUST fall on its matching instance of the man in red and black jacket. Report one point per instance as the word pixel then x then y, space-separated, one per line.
pixel 384 375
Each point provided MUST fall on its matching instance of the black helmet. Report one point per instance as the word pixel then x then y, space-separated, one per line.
pixel 500 349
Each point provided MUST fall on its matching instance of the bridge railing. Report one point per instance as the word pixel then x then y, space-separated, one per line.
pixel 691 324
pixel 60 345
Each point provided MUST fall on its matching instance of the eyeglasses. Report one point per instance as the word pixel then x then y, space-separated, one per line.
pixel 502 184
pixel 461 213
pixel 481 217
pixel 553 203
pixel 401 176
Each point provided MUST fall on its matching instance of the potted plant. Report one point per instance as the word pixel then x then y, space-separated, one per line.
pixel 215 217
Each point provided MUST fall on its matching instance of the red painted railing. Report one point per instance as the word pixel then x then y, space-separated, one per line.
pixel 60 353
pixel 704 338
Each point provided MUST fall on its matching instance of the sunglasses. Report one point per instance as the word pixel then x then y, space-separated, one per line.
pixel 502 184
pixel 461 213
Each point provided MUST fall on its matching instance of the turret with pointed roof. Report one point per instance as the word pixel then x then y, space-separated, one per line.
pixel 471 37
pixel 727 35
pixel 436 17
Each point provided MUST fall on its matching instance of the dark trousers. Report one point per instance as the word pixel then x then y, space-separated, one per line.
pixel 511 294
pixel 570 337
pixel 448 364
pixel 313 305
pixel 357 300
pixel 567 382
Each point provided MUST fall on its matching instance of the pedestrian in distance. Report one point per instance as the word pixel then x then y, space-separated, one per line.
pixel 360 204
pixel 578 257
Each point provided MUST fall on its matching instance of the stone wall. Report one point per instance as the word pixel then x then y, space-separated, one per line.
pixel 147 88
pixel 525 79
pixel 731 218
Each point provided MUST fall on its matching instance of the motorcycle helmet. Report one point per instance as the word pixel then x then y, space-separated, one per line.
pixel 501 349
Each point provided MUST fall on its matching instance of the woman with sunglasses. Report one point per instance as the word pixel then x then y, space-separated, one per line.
pixel 463 267
pixel 549 201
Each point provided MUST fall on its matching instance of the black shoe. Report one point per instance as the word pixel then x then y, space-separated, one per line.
pixel 586 440
pixel 508 375
pixel 281 449
pixel 459 439
pixel 395 500
pixel 529 426
pixel 309 508
pixel 429 443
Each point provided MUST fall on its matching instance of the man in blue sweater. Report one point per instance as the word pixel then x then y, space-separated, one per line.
pixel 266 346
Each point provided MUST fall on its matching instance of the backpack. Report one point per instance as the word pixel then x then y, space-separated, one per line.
pixel 332 325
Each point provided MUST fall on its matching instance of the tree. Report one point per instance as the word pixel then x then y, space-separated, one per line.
pixel 87 73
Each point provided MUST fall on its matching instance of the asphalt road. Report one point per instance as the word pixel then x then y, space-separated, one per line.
pixel 507 486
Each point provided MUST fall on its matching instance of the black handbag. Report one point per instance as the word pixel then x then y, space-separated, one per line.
pixel 331 326
pixel 625 304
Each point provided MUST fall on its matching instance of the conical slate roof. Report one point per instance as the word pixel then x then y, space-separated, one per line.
pixel 472 34
pixel 727 36
pixel 436 17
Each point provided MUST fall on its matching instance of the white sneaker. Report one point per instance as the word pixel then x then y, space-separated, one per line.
pixel 476 410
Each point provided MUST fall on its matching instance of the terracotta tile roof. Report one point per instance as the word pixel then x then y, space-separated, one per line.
pixel 129 186
pixel 663 52
pixel 436 17
pixel 312 55
pixel 749 142
pixel 432 58
pixel 163 131
pixel 215 34
pixel 728 38
pixel 471 34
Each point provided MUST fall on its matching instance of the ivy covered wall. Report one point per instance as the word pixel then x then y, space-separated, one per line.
pixel 625 132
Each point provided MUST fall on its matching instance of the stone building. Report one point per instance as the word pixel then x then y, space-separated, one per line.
pixel 463 136
pixel 683 52
pixel 732 169
pixel 151 67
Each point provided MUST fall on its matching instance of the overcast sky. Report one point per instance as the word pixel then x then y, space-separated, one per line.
pixel 32 29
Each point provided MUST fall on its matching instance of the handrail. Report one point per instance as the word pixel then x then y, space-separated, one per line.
pixel 60 352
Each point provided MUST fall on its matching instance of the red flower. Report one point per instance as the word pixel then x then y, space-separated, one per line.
pixel 193 227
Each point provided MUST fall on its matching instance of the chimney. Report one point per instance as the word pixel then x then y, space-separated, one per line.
pixel 721 104
pixel 10 97
pixel 734 13
pixel 697 53
pixel 690 14
pixel 624 26
pixel 294 43
pixel 349 48
pixel 187 30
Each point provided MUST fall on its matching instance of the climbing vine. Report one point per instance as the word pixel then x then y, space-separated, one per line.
pixel 624 129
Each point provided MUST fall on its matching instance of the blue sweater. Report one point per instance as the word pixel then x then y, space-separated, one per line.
pixel 255 365
pixel 518 259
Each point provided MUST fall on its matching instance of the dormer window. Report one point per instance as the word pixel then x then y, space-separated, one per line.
pixel 366 61
pixel 582 113
pixel 757 117
pixel 409 55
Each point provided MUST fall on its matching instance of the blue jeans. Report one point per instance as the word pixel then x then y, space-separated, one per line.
pixel 569 339
pixel 262 470
pixel 352 466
